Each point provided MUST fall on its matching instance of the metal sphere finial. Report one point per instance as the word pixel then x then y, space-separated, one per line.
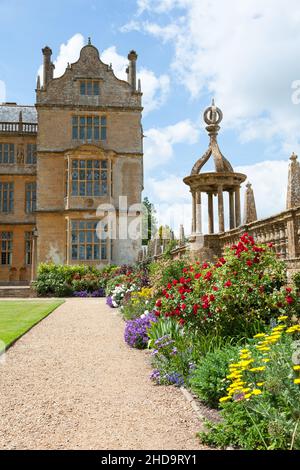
pixel 213 115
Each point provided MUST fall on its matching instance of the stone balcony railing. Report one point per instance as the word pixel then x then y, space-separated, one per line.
pixel 18 127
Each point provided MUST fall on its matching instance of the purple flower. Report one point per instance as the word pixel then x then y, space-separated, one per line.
pixel 99 292
pixel 109 301
pixel 175 378
pixel 136 331
pixel 82 293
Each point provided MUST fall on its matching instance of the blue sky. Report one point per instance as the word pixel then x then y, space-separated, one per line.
pixel 245 54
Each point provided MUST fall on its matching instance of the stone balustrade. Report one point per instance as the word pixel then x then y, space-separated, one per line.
pixel 18 127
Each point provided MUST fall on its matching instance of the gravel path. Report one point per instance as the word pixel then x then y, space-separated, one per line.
pixel 72 383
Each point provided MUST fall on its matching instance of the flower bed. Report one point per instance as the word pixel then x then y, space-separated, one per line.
pixel 199 320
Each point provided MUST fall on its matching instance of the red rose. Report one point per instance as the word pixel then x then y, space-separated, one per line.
pixel 228 283
pixel 208 275
pixel 249 263
pixel 167 295
pixel 288 289
pixel 183 297
pixel 197 276
pixel 222 260
pixel 157 314
pixel 212 297
pixel 175 282
pixel 184 270
pixel 169 285
pixel 158 303
pixel 195 308
pixel 182 280
pixel 289 299
pixel 270 245
pixel 215 288
pixel 182 321
pixel 205 265
pixel 183 306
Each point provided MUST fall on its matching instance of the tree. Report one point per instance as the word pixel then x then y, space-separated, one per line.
pixel 149 223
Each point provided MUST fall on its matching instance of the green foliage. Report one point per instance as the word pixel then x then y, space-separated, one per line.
pixel 137 304
pixel 209 378
pixel 163 327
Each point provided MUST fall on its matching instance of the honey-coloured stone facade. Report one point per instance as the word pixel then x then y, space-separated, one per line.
pixel 83 119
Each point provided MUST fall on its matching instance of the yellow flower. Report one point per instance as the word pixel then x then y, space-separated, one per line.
pixel 293 329
pixel 256 391
pixel 264 348
pixel 297 381
pixel 296 367
pixel 257 369
pixel 259 335
pixel 266 359
pixel 260 384
pixel 282 318
pixel 223 399
pixel 248 395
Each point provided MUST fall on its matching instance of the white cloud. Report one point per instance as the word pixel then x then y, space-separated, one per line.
pixel 243 53
pixel 159 142
pixel 269 181
pixel 155 88
pixel 2 91
pixel 68 53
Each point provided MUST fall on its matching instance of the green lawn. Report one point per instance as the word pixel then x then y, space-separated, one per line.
pixel 17 317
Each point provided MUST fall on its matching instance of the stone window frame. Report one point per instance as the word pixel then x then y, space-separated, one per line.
pixel 28 247
pixel 89 128
pixel 6 197
pixel 89 87
pixel 10 152
pixel 84 241
pixel 30 197
pixel 31 154
pixel 6 248
pixel 88 180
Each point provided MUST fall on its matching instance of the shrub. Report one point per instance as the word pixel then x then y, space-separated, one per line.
pixel 209 377
pixel 236 296
pixel 261 408
pixel 63 280
pixel 136 331
pixel 163 271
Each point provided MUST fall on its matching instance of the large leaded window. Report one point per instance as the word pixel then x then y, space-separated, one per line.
pixel 30 197
pixel 89 87
pixel 7 153
pixel 6 197
pixel 85 244
pixel 89 128
pixel 28 247
pixel 89 177
pixel 31 154
pixel 6 247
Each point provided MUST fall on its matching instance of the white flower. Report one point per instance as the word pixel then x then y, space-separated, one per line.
pixel 143 315
pixel 146 312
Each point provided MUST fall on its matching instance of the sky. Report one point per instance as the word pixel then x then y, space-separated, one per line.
pixel 245 54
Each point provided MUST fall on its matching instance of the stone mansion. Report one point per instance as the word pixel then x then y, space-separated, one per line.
pixel 80 146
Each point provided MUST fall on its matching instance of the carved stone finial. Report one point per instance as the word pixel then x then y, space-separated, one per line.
pixel 293 190
pixel 212 117
pixel 250 214
pixel 89 41
pixel 181 235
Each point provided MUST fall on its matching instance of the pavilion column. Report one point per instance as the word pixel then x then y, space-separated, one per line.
pixel 221 209
pixel 237 207
pixel 210 213
pixel 198 212
pixel 194 214
pixel 231 210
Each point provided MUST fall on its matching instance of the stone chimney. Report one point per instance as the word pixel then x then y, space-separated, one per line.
pixel 250 214
pixel 293 191
pixel 132 57
pixel 47 66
